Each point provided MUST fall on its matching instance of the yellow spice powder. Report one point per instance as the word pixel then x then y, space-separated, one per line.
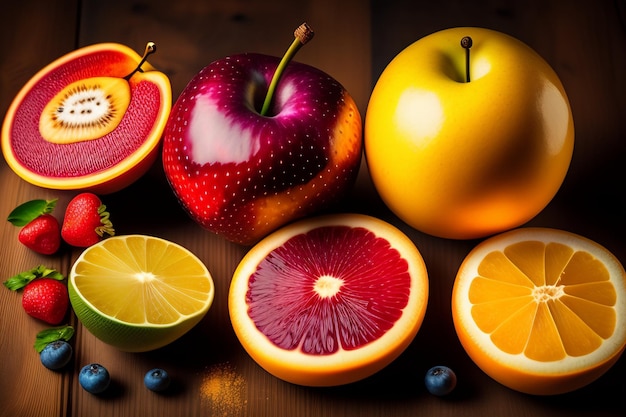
pixel 224 390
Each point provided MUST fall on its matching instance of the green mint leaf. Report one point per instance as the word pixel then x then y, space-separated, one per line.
pixel 30 210
pixel 44 272
pixel 47 336
pixel 20 280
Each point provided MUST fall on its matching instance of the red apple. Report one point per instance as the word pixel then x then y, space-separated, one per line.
pixel 240 168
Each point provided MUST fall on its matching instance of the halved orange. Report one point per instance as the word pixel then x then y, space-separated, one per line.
pixel 329 300
pixel 542 311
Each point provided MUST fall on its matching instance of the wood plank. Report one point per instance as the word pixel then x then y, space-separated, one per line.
pixel 213 374
pixel 585 43
pixel 32 34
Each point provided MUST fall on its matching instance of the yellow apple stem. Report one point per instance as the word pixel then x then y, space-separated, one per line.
pixel 302 35
pixel 466 43
pixel 150 49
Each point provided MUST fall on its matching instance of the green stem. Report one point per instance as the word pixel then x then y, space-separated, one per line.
pixel 302 35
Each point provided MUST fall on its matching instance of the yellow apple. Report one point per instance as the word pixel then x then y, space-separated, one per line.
pixel 465 159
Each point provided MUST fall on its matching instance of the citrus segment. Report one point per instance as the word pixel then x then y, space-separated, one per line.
pixel 542 311
pixel 329 300
pixel 139 292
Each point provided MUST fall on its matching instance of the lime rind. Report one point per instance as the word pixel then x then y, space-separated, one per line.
pixel 128 336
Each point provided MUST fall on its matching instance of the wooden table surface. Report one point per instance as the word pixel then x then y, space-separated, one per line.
pixel 585 41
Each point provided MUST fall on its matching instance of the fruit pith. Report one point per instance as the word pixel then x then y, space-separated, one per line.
pixel 87 163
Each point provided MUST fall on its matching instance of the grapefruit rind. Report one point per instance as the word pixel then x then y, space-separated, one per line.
pixel 344 366
pixel 133 337
pixel 122 173
pixel 517 371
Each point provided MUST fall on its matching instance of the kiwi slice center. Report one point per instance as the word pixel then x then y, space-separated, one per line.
pixel 84 110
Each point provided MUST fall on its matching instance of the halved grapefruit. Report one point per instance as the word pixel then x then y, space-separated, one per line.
pixel 542 311
pixel 329 300
pixel 91 120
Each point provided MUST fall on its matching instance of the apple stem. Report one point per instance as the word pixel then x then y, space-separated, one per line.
pixel 302 35
pixel 150 49
pixel 466 43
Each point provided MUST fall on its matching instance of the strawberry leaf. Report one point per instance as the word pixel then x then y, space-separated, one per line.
pixel 47 336
pixel 20 280
pixel 30 210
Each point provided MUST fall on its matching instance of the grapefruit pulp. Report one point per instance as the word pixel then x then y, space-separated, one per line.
pixel 329 300
pixel 101 163
pixel 542 311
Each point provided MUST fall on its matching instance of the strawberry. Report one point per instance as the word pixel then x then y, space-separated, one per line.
pixel 40 231
pixel 43 234
pixel 86 221
pixel 45 297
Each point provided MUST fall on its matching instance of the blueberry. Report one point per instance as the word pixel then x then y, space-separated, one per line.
pixel 56 354
pixel 440 380
pixel 157 380
pixel 94 378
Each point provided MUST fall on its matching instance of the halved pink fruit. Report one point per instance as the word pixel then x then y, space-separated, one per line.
pixel 329 300
pixel 105 164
